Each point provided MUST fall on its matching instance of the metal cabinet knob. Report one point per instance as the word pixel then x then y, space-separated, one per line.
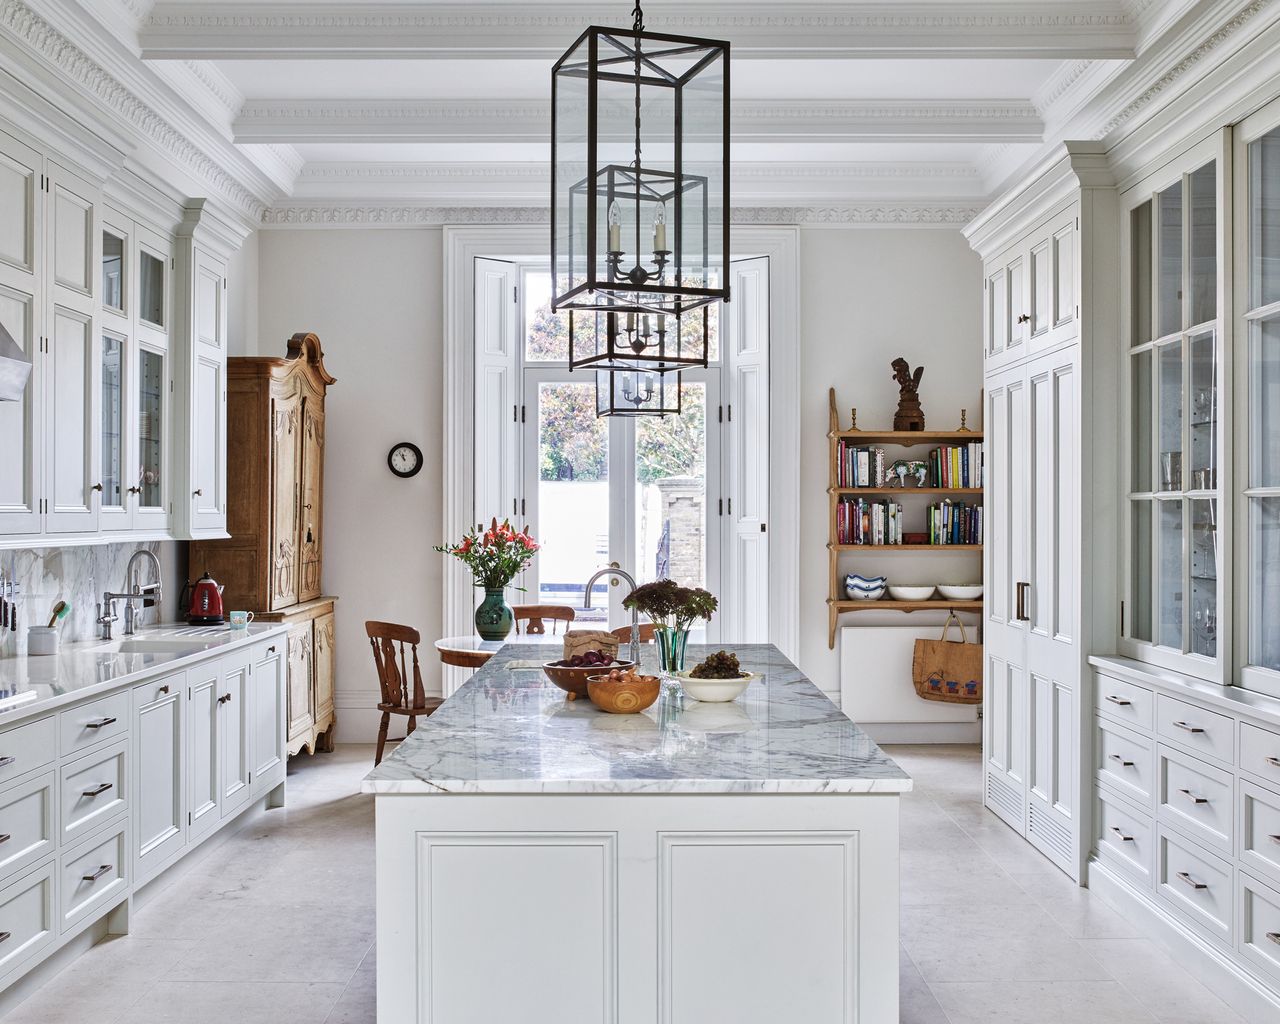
pixel 1024 318
pixel 1193 798
pixel 6 837
pixel 164 690
pixel 101 723
pixel 1112 698
pixel 1120 760
pixel 1123 838
pixel 98 790
pixel 4 935
pixel 6 761
pixel 1274 762
pixel 224 698
pixel 97 874
pixel 96 487
pixel 198 492
pixel 1186 727
pixel 1183 876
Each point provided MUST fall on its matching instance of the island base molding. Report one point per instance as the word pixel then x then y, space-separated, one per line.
pixel 633 908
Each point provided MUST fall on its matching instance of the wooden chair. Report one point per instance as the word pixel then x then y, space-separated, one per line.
pixel 534 614
pixel 388 641
pixel 647 634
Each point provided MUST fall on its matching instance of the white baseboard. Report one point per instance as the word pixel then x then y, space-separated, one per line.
pixel 1248 996
pixel 923 732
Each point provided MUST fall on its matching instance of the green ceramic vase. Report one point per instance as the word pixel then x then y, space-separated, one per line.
pixel 494 618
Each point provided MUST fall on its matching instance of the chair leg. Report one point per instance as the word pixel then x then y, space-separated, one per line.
pixel 413 724
pixel 382 737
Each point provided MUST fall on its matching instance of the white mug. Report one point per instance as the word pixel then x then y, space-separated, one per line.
pixel 239 620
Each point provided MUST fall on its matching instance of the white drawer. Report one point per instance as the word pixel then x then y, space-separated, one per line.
pixel 154 689
pixel 92 873
pixel 1259 911
pixel 1208 733
pixel 89 724
pixel 1260 830
pixel 1196 884
pixel 28 830
pixel 1196 797
pixel 1260 753
pixel 1125 838
pixel 93 789
pixel 26 747
pixel 1124 759
pixel 26 917
pixel 1124 701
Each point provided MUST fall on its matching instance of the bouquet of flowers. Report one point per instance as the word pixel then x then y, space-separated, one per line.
pixel 671 606
pixel 496 555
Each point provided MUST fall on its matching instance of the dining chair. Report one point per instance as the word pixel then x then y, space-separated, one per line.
pixel 399 696
pixel 534 616
pixel 647 634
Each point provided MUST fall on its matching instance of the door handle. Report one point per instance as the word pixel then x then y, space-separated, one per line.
pixel 1120 760
pixel 1193 798
pixel 101 723
pixel 6 761
pixel 164 690
pixel 97 790
pixel 96 874
pixel 1020 613
pixel 1191 881
pixel 224 698
pixel 1112 698
pixel 1187 728
pixel 1273 761
pixel 1123 838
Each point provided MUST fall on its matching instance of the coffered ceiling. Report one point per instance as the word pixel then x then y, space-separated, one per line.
pixel 415 101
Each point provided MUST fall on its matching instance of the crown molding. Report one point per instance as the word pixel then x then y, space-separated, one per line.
pixel 1098 29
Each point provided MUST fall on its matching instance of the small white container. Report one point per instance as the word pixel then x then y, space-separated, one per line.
pixel 42 640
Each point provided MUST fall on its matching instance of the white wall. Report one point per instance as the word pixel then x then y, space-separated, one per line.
pixel 375 300
pixel 242 299
pixel 868 296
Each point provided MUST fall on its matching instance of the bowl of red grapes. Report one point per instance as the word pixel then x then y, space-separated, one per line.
pixel 570 674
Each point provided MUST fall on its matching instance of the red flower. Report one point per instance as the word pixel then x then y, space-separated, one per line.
pixel 527 541
pixel 465 546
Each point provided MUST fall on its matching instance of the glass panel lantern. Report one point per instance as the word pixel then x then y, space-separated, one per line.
pixel 637 392
pixel 627 341
pixel 640 186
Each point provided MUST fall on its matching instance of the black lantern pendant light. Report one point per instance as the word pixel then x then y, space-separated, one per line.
pixel 637 393
pixel 640 194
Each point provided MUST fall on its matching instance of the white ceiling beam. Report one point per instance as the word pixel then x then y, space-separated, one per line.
pixel 528 122
pixel 1094 29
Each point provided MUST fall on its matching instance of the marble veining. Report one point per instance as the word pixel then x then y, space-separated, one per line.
pixel 509 730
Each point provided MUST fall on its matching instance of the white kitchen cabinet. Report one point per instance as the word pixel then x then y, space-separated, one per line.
pixel 234 734
pixel 203 784
pixel 160 807
pixel 267 726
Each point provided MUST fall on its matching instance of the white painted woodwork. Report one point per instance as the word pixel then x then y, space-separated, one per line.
pixel 160 809
pixel 31 745
pixel 497 391
pixel 266 704
pixel 93 790
pixel 206 497
pixel 72 381
pixel 92 874
pixel 235 766
pixel 27 914
pixel 27 811
pixel 203 748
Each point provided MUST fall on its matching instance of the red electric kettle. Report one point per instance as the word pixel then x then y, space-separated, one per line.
pixel 205 608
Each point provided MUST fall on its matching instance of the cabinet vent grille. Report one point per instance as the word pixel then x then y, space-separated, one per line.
pixel 1051 834
pixel 1004 800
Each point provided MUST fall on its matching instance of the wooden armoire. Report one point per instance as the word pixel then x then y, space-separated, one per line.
pixel 273 562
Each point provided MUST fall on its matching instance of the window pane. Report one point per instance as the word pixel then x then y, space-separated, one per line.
pixel 150 427
pixel 1142 421
pixel 1170 283
pixel 1264 220
pixel 151 289
pixel 1170 513
pixel 112 421
pixel 1264 582
pixel 1264 403
pixel 573 497
pixel 1204 244
pixel 112 270
pixel 1140 272
pixel 671 492
pixel 1204 578
pixel 1170 425
pixel 1204 413
pixel 1140 614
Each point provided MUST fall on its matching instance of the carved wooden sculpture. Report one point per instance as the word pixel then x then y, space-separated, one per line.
pixel 909 415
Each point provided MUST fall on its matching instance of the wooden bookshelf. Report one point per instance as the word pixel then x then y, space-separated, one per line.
pixel 837 603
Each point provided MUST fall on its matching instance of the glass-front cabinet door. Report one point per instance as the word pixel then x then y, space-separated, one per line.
pixel 1174 588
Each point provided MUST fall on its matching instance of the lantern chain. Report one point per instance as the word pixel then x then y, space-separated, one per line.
pixel 638 17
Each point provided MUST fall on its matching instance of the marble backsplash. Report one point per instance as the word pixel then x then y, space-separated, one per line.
pixel 79 575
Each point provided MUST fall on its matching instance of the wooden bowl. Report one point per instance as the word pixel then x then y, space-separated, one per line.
pixel 574 680
pixel 623 698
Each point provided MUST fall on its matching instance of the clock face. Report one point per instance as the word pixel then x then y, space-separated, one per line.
pixel 405 459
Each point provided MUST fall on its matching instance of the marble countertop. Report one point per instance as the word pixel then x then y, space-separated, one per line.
pixel 510 730
pixel 35 685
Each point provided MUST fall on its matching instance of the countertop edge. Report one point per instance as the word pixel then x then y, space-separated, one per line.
pixel 622 787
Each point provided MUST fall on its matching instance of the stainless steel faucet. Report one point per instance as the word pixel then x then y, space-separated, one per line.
pixel 149 595
pixel 613 570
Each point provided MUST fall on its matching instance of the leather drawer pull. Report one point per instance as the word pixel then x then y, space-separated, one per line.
pixel 6 761
pixel 1188 728
pixel 1191 881
pixel 97 790
pixel 1193 798
pixel 1118 700
pixel 1120 760
pixel 1274 762
pixel 101 723
pixel 1123 838
pixel 97 874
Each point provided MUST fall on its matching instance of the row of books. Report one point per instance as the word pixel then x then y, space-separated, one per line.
pixel 868 522
pixel 956 465
pixel 859 466
pixel 955 523
pixel 945 466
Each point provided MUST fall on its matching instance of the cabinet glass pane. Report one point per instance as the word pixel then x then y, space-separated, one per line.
pixel 1041 288
pixel 1170 413
pixel 1204 244
pixel 1140 474
pixel 112 421
pixel 1204 577
pixel 112 271
pixel 1264 403
pixel 150 427
pixel 1264 582
pixel 151 289
pixel 1169 289
pixel 1140 571
pixel 1204 412
pixel 1264 220
pixel 1171 576
pixel 1140 274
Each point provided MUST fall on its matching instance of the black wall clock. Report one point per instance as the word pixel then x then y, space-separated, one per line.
pixel 404 459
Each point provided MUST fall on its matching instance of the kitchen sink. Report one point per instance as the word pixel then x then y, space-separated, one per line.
pixel 157 645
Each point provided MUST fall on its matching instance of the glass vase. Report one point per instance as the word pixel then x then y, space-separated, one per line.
pixel 494 618
pixel 671 643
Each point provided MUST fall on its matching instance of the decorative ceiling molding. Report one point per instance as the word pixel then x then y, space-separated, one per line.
pixel 410 216
pixel 519 121
pixel 758 30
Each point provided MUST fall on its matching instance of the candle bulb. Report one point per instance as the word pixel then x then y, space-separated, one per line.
pixel 644 329
pixel 660 229
pixel 631 322
pixel 615 227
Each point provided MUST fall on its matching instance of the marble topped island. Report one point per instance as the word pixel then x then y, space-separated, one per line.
pixel 541 860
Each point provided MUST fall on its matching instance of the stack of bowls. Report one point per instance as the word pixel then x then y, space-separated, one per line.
pixel 865 588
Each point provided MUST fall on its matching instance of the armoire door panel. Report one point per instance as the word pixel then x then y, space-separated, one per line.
pixel 309 524
pixel 286 431
pixel 325 662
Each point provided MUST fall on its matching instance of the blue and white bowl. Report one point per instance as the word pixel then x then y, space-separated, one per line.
pixel 865 588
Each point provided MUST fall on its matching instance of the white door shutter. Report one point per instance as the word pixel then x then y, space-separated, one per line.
pixel 745 338
pixel 497 405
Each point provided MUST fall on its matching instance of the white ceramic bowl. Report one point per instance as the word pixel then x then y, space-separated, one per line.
pixel 864 588
pixel 911 593
pixel 865 595
pixel 714 691
pixel 960 592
